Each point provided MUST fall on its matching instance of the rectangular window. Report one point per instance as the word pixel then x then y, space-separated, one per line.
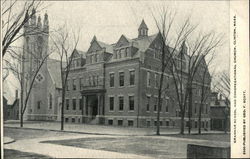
pixel 148 79
pixel 111 79
pixel 121 103
pixel 155 104
pixel 167 123
pixel 66 120
pixel 160 123
pixel 74 104
pixel 67 85
pixel 132 77
pixel 195 124
pixel 111 103
pixel 39 104
pixel 110 122
pixel 167 105
pixel 130 123
pixel 120 122
pixel 67 104
pixel 156 80
pixel 195 108
pixel 121 79
pixel 74 84
pixel 202 124
pixel 73 120
pixel 81 83
pixel 148 103
pixel 155 123
pixel 131 103
pixel 148 123
pixel 80 104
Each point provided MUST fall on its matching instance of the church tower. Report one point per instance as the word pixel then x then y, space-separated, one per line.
pixel 142 30
pixel 35 50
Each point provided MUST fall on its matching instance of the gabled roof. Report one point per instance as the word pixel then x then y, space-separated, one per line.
pixel 143 43
pixel 108 47
pixel 54 70
pixel 80 53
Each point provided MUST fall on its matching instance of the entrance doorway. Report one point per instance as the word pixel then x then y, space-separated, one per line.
pixel 93 105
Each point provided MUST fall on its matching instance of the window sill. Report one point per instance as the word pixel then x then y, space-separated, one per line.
pixel 111 111
pixel 131 111
pixel 121 87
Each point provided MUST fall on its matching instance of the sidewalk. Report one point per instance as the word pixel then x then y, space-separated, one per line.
pixel 97 129
pixel 60 151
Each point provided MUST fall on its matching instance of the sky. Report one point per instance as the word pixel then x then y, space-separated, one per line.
pixel 108 20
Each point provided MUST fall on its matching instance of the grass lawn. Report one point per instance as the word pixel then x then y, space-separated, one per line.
pixel 151 146
pixel 12 154
pixel 18 134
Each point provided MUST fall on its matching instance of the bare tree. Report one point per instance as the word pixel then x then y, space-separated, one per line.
pixel 204 78
pixel 25 77
pixel 164 25
pixel 15 14
pixel 222 85
pixel 65 47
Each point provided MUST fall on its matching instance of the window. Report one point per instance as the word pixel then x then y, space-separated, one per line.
pixel 111 103
pixel 155 105
pixel 195 124
pixel 74 104
pixel 148 79
pixel 195 109
pixel 80 104
pixel 50 101
pixel 39 104
pixel 120 122
pixel 66 120
pixel 81 83
pixel 74 84
pixel 202 124
pixel 121 103
pixel 155 123
pixel 148 123
pixel 166 106
pixel 73 120
pixel 122 53
pixel 110 122
pixel 127 52
pixel 67 104
pixel 121 79
pixel 160 123
pixel 111 79
pixel 148 103
pixel 156 80
pixel 167 123
pixel 130 123
pixel 132 77
pixel 94 81
pixel 131 103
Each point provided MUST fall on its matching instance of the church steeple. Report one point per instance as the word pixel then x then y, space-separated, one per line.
pixel 143 29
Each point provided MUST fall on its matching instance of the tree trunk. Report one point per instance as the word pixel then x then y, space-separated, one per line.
pixel 62 109
pixel 182 122
pixel 21 120
pixel 199 120
pixel 190 108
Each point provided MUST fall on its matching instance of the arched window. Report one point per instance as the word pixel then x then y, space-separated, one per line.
pixel 50 101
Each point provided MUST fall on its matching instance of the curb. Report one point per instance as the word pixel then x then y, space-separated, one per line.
pixel 9 142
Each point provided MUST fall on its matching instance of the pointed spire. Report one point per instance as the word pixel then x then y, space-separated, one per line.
pixel 142 30
pixel 184 47
pixel 46 23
